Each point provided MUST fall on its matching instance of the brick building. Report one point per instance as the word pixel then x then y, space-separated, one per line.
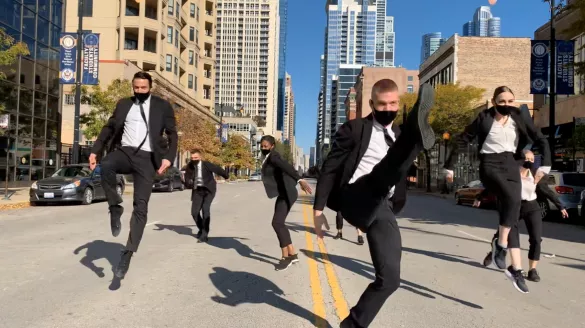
pixel 482 62
pixel 358 97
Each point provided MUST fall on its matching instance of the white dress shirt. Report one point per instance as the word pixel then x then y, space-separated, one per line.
pixel 199 179
pixel 377 149
pixel 528 187
pixel 135 129
pixel 502 138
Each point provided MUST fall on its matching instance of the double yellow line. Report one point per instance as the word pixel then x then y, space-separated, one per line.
pixel 339 301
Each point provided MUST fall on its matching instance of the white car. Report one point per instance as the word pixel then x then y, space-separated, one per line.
pixel 255 177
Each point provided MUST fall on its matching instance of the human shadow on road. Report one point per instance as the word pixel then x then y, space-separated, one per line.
pixel 365 269
pixel 240 287
pixel 448 257
pixel 99 249
pixel 300 228
pixel 573 266
pixel 222 243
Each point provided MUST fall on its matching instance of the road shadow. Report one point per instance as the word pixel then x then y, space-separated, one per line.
pixel 300 228
pixel 99 249
pixel 424 209
pixel 366 270
pixel 573 266
pixel 448 257
pixel 225 243
pixel 240 287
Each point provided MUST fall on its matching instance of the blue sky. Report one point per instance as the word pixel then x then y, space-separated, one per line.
pixel 412 19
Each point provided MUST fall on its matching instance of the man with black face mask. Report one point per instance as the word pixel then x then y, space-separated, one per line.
pixel 135 145
pixel 199 177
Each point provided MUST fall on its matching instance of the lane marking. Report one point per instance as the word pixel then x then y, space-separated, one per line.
pixel 316 290
pixel 155 222
pixel 236 196
pixel 473 236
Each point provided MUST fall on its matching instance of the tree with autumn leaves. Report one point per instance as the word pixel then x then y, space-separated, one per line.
pixel 198 133
pixel 453 110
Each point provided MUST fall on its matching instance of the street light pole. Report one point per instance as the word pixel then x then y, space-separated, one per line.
pixel 220 122
pixel 78 84
pixel 553 80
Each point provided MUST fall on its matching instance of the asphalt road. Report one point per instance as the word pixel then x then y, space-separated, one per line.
pixel 56 269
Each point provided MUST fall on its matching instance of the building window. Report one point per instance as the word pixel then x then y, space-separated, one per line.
pixel 132 10
pixel 410 88
pixel 193 9
pixel 88 8
pixel 130 44
pixel 176 66
pixel 192 34
pixel 190 81
pixel 410 78
pixel 169 67
pixel 191 57
pixel 171 7
pixel 177 38
pixel 170 34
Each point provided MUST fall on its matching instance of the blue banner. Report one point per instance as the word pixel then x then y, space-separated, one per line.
pixel 91 58
pixel 565 68
pixel 68 60
pixel 539 67
pixel 222 133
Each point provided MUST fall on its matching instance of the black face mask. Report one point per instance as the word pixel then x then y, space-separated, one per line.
pixel 141 97
pixel 265 151
pixel 504 110
pixel 384 117
pixel 195 161
pixel 527 165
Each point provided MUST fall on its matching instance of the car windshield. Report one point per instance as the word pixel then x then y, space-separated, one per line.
pixel 574 179
pixel 72 172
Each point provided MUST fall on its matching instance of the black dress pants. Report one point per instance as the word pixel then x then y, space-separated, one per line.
pixel 339 221
pixel 281 209
pixel 531 215
pixel 127 160
pixel 201 199
pixel 385 245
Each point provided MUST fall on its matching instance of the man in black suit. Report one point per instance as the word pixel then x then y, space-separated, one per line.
pixel 133 138
pixel 364 178
pixel 199 177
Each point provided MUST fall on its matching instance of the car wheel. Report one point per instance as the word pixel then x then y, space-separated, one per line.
pixel 87 196
pixel 544 209
pixel 457 199
pixel 120 190
pixel 170 188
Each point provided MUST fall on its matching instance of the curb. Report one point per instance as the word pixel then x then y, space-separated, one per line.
pixel 25 204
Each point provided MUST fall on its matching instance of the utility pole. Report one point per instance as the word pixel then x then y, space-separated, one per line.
pixel 78 85
pixel 553 80
pixel 220 123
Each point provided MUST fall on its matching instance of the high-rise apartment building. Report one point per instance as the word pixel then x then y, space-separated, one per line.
pixel 385 36
pixel 247 58
pixel 430 43
pixel 283 15
pixel 350 38
pixel 289 110
pixel 483 24
pixel 29 96
pixel 172 39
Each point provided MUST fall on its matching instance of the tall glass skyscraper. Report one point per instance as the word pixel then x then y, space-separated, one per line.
pixel 430 43
pixel 350 38
pixel 483 24
pixel 30 93
pixel 385 37
pixel 283 13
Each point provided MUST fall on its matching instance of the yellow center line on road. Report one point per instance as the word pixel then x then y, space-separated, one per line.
pixel 339 301
pixel 317 291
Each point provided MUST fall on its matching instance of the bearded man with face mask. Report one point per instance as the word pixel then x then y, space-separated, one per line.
pixel 199 177
pixel 133 138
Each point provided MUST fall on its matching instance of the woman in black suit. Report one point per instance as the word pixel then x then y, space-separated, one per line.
pixel 503 132
pixel 280 180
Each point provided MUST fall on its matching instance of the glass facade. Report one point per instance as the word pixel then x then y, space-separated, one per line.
pixel 430 43
pixel 283 13
pixel 483 24
pixel 30 93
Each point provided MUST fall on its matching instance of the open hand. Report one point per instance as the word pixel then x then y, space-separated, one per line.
pixel 164 166
pixel 92 161
pixel 320 220
pixel 476 203
pixel 305 186
pixel 564 213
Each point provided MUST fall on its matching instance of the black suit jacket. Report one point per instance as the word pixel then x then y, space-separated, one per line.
pixel 350 144
pixel 161 119
pixel 207 170
pixel 280 178
pixel 481 126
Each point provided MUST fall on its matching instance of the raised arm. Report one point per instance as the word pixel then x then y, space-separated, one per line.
pixel 218 170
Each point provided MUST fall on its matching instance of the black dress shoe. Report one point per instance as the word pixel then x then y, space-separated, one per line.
pixel 360 240
pixel 116 212
pixel 203 238
pixel 338 236
pixel 124 264
pixel 417 121
pixel 198 235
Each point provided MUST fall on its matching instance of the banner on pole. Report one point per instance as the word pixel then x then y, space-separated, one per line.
pixel 539 66
pixel 68 60
pixel 565 68
pixel 91 58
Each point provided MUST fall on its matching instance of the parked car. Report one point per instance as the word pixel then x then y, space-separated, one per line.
pixel 255 177
pixel 568 186
pixel 468 193
pixel 72 183
pixel 169 181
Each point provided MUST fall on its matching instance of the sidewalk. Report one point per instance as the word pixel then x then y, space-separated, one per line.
pixel 20 198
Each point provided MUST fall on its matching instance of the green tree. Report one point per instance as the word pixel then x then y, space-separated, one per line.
pixel 102 103
pixel 236 152
pixel 10 50
pixel 577 7
pixel 577 142
pixel 198 133
pixel 284 150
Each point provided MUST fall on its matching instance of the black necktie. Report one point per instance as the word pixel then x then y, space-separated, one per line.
pixel 388 138
pixel 147 129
